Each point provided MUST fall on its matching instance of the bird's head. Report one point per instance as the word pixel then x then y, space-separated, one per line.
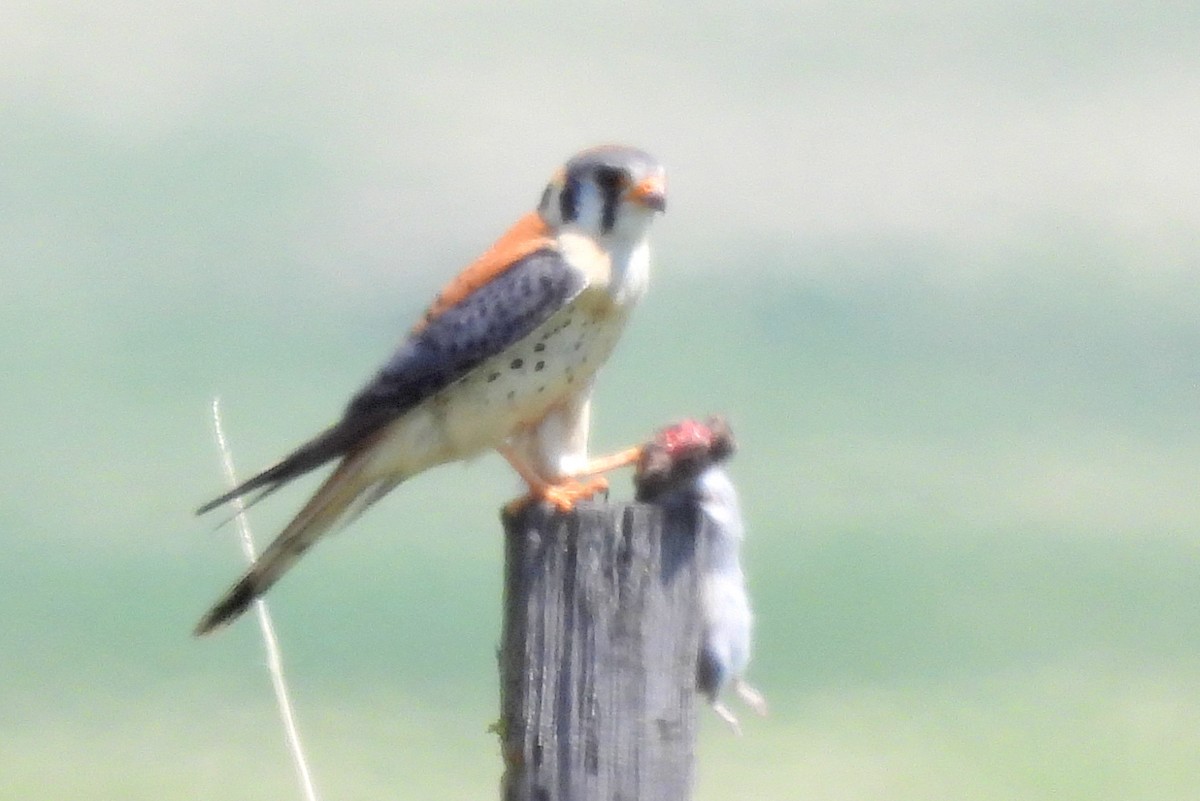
pixel 611 192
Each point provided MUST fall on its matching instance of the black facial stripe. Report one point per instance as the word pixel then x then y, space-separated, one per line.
pixel 568 201
pixel 609 216
pixel 611 182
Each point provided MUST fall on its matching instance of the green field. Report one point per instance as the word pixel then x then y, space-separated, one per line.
pixel 939 271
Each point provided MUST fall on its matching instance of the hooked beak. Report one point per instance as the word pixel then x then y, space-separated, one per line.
pixel 650 192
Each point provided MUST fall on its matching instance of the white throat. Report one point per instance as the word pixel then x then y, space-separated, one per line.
pixel 630 270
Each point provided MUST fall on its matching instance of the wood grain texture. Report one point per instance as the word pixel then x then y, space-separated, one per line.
pixel 598 655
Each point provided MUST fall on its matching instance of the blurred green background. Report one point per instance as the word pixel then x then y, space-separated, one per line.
pixel 937 263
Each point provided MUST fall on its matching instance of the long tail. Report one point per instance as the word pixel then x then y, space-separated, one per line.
pixel 343 496
pixel 336 441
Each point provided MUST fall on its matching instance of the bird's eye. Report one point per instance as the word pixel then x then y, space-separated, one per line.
pixel 611 178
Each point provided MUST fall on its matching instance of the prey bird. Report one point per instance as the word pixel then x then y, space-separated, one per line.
pixel 504 359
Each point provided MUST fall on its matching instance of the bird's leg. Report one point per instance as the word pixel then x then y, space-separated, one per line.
pixel 588 481
pixel 602 464
pixel 562 493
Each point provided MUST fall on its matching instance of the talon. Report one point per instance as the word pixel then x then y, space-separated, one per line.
pixel 564 495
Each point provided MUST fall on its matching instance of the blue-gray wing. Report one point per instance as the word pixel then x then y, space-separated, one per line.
pixel 500 313
pixel 445 348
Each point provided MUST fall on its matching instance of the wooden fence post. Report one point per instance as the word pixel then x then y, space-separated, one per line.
pixel 598 653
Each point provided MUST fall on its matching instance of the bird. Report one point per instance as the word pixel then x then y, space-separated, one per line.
pixel 503 359
pixel 683 464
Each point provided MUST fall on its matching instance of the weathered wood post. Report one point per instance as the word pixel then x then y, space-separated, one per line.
pixel 598 653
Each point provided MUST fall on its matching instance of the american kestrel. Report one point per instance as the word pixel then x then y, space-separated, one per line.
pixel 683 464
pixel 503 359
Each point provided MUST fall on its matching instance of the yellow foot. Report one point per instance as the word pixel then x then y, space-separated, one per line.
pixel 562 495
